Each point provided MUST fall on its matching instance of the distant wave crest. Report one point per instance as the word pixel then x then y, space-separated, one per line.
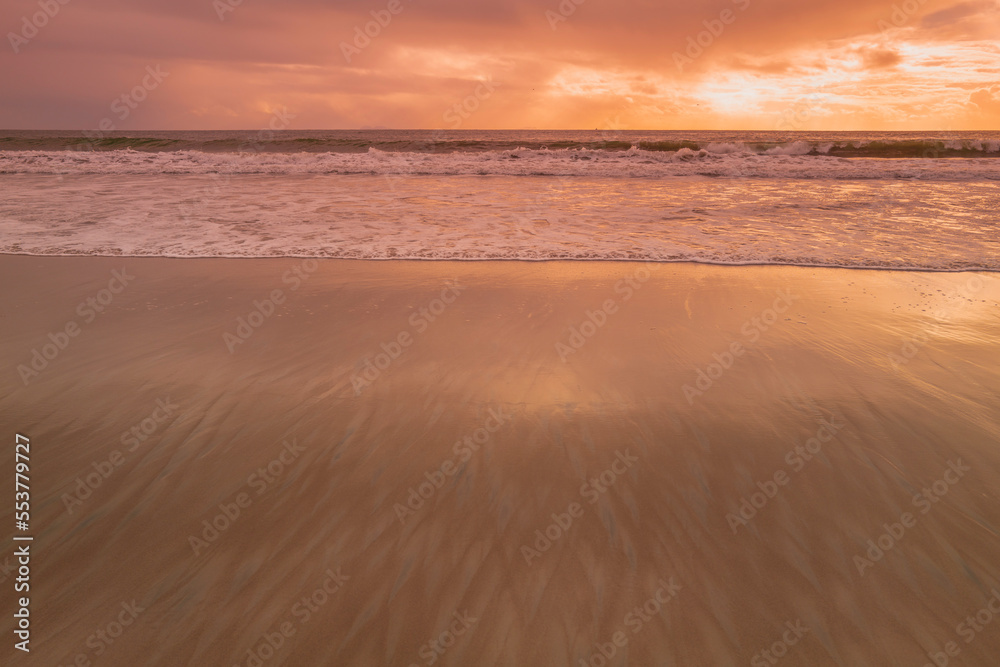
pixel 611 142
pixel 725 160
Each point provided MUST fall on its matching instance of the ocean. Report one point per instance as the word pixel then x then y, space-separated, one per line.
pixel 908 201
pixel 542 446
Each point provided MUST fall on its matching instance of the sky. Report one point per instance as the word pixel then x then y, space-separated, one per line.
pixel 482 64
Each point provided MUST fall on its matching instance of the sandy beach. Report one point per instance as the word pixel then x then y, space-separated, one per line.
pixel 301 462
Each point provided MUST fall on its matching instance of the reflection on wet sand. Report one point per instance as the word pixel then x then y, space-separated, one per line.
pixel 823 492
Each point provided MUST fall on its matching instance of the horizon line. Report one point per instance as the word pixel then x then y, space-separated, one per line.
pixel 510 129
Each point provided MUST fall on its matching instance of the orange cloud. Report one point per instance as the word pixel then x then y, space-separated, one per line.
pixel 907 64
pixel 879 58
pixel 987 101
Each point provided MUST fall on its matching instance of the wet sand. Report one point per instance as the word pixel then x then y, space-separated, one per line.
pixel 387 506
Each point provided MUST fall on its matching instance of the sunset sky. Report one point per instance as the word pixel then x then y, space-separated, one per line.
pixel 628 64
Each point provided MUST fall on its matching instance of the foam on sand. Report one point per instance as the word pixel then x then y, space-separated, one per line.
pixel 876 223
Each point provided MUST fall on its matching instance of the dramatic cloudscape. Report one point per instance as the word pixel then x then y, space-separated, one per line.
pixel 632 64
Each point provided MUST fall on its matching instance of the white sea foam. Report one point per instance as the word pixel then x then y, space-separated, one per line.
pixel 876 223
pixel 794 148
pixel 875 199
pixel 729 148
